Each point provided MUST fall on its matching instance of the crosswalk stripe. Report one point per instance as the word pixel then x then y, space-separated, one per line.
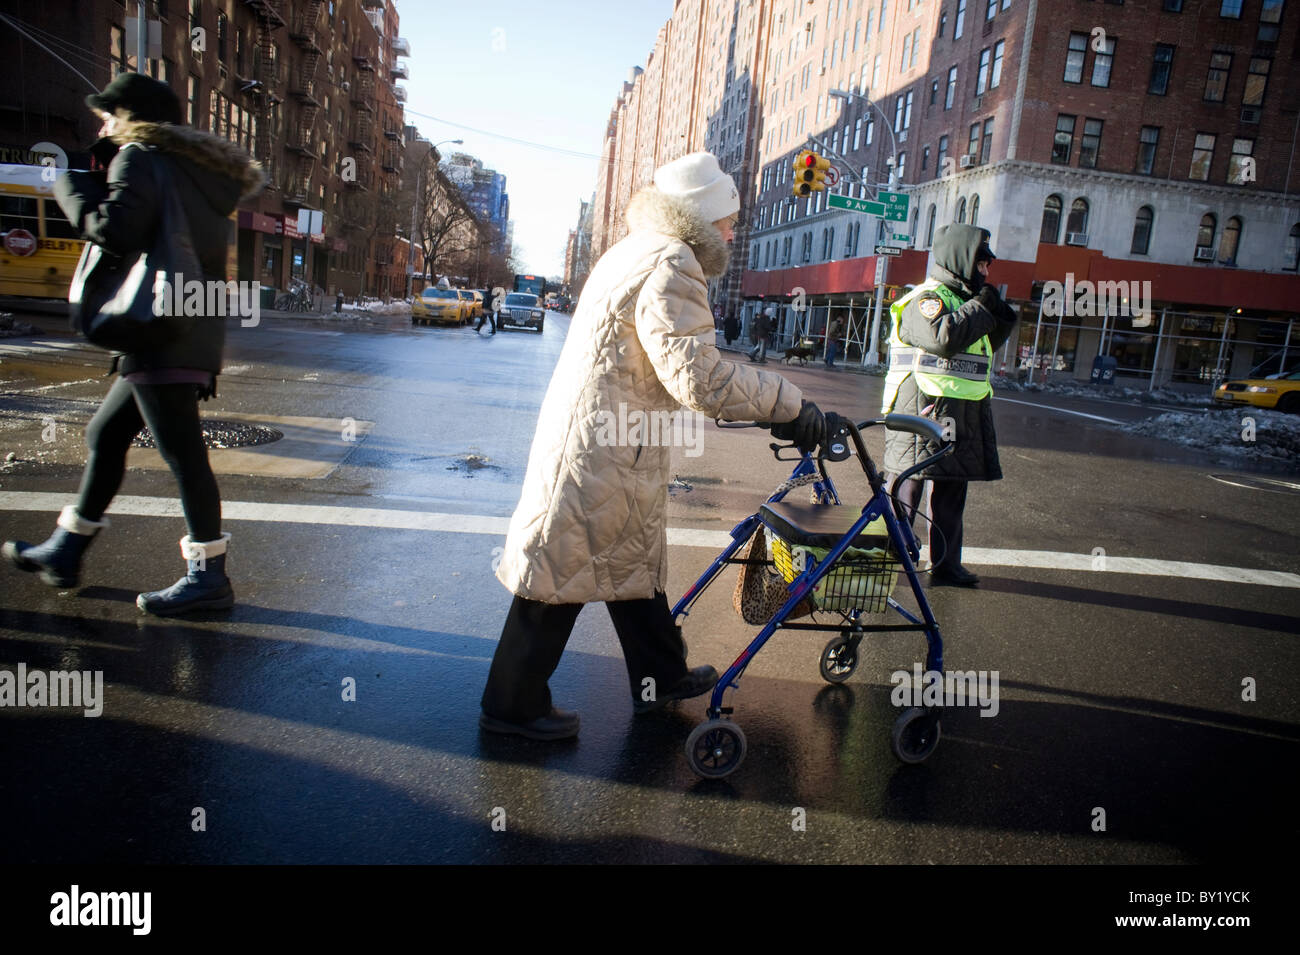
pixel 390 519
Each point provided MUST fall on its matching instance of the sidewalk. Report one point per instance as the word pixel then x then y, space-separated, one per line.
pixel 775 356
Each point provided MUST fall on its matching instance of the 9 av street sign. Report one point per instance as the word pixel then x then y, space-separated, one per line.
pixel 893 205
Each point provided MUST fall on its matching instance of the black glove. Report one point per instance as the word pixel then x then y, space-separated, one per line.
pixel 807 431
pixel 103 150
pixel 993 302
pixel 836 433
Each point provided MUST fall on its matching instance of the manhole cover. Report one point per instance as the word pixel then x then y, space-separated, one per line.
pixel 1258 483
pixel 223 434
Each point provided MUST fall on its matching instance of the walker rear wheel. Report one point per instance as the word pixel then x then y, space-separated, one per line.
pixel 715 748
pixel 915 735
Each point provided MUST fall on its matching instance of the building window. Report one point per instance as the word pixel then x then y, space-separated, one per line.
pixel 1202 157
pixel 1292 263
pixel 1077 222
pixel 902 165
pixel 995 78
pixel 875 71
pixel 916 48
pixel 934 92
pixel 1148 139
pixel 805 248
pixel 907 52
pixel 1074 57
pixel 192 101
pixel 951 93
pixel 1174 6
pixel 1230 9
pixel 959 20
pixel 1102 61
pixel 1090 143
pixel 992 9
pixel 1142 231
pixel 1228 244
pixel 1270 15
pixel 1240 163
pixel 941 156
pixel 907 111
pixel 1216 80
pixel 986 143
pixel 871 129
pixel 1205 234
pixel 1162 64
pixel 223 29
pixel 1063 142
pixel 975 207
pixel 857 134
pixel 929 229
pixel 1256 81
pixel 1050 231
pixel 961 209
pixel 982 77
pixel 925 159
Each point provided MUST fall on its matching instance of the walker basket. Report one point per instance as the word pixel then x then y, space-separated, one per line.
pixel 861 580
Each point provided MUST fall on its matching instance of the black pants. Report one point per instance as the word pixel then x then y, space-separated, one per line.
pixel 172 414
pixel 488 317
pixel 947 506
pixel 534 637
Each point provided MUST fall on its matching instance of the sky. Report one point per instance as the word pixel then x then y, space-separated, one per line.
pixel 543 71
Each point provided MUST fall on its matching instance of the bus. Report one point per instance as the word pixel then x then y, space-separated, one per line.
pixel 39 248
pixel 532 284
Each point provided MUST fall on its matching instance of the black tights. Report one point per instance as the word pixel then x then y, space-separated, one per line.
pixel 172 414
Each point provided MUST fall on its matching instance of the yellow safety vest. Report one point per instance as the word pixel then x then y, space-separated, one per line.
pixel 965 376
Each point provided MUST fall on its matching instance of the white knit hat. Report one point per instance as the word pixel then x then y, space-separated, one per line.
pixel 700 181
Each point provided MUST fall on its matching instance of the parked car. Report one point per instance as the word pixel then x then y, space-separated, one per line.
pixel 521 310
pixel 442 305
pixel 469 304
pixel 1282 394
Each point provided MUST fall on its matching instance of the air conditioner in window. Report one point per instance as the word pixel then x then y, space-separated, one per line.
pixel 1205 253
pixel 967 160
pixel 1076 238
pixel 902 136
pixel 1250 114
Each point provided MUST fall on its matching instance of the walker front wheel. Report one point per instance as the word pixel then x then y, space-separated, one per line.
pixel 715 748
pixel 915 735
pixel 839 659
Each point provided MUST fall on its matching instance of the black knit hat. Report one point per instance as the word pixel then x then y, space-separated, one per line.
pixel 144 98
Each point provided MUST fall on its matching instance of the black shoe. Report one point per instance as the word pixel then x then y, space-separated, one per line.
pixel 957 576
pixel 557 724
pixel 58 559
pixel 697 681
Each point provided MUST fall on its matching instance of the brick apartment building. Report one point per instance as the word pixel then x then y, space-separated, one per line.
pixel 1110 141
pixel 309 87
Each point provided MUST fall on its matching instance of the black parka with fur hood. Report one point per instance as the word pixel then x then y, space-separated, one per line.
pixel 122 215
pixel 975 457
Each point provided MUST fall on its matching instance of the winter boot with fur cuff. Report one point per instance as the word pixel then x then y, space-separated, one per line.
pixel 204 587
pixel 59 558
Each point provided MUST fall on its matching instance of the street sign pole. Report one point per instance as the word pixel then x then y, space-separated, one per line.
pixel 873 346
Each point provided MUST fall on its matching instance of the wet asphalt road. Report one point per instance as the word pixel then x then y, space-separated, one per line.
pixel 1120 691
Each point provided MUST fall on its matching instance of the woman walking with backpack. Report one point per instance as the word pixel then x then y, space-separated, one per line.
pixel 145 146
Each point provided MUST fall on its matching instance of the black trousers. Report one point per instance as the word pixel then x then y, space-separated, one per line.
pixel 487 317
pixel 172 414
pixel 947 506
pixel 534 638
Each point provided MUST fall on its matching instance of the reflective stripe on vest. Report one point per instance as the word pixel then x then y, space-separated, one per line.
pixel 964 376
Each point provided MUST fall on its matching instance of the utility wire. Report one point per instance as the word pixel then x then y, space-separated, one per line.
pixel 4 18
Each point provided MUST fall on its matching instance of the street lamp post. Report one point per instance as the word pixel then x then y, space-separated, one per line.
pixel 415 205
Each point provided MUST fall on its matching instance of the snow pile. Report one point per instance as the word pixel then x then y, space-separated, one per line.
pixel 1085 389
pixel 392 308
pixel 1244 434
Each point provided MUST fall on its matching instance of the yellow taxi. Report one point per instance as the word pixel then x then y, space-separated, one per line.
pixel 1281 393
pixel 473 309
pixel 441 305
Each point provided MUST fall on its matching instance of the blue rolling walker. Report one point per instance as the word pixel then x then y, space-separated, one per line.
pixel 841 560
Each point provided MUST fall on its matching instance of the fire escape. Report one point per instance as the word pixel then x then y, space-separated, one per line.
pixel 362 139
pixel 264 85
pixel 301 139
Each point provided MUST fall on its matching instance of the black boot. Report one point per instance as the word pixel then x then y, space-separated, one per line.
pixel 59 558
pixel 204 587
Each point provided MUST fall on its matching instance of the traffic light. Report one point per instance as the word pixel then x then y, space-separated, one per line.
pixel 809 173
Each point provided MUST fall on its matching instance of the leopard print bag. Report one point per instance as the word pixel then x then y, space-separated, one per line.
pixel 760 591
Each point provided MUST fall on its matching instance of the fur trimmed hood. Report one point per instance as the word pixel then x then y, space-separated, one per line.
pixel 656 211
pixel 210 153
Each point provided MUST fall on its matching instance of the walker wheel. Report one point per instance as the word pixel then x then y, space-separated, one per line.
pixel 916 733
pixel 715 748
pixel 839 660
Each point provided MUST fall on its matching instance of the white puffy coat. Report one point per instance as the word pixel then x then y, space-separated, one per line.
pixel 591 524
